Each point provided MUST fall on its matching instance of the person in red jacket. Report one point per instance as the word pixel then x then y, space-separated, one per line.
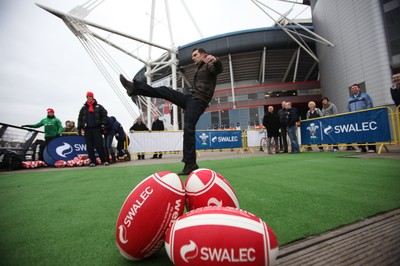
pixel 92 117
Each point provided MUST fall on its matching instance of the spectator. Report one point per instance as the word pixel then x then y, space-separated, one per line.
pixel 139 126
pixel 120 136
pixel 67 127
pixel 328 109
pixel 359 101
pixel 395 89
pixel 292 119
pixel 271 123
pixel 109 133
pixel 73 127
pixel 92 117
pixel 283 147
pixel 52 129
pixel 313 112
pixel 157 125
pixel 194 104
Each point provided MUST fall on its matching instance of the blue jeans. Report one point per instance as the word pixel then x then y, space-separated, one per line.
pixel 293 139
pixel 108 139
pixel 193 107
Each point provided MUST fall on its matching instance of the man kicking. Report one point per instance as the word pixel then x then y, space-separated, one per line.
pixel 194 104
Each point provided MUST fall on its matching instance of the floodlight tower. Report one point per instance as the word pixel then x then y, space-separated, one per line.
pixel 76 22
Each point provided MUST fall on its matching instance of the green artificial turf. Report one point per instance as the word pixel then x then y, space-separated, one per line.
pixel 67 217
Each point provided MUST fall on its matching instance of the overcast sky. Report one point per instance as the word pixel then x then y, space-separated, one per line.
pixel 44 65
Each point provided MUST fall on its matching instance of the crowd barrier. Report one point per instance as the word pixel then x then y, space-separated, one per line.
pixel 172 141
pixel 379 126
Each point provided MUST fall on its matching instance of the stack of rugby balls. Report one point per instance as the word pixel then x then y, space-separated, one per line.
pixel 214 231
pixel 77 161
pixel 33 164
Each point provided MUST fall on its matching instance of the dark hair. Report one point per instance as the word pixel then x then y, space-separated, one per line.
pixel 325 98
pixel 201 50
pixel 355 84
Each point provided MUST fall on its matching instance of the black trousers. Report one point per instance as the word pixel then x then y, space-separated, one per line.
pixel 193 107
pixel 94 140
pixel 283 135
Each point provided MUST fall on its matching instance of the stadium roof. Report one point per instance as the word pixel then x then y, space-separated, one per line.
pixel 246 49
pixel 251 58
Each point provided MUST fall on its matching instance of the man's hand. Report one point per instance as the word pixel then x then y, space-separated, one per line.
pixel 209 59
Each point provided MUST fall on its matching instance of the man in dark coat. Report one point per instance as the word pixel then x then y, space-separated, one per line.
pixel 283 127
pixel 395 89
pixel 157 125
pixel 271 123
pixel 92 117
pixel 194 104
pixel 292 120
pixel 139 126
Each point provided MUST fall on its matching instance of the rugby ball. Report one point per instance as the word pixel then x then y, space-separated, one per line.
pixel 26 164
pixel 71 163
pixel 205 187
pixel 60 163
pixel 221 236
pixel 147 213
pixel 86 162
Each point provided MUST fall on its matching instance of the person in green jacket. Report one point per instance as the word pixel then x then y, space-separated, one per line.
pixel 52 128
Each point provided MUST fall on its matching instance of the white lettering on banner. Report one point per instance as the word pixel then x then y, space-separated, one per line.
pixel 136 206
pixel 80 147
pixel 228 255
pixel 365 126
pixel 228 139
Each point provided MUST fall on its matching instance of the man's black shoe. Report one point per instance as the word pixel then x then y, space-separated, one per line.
pixel 189 168
pixel 129 86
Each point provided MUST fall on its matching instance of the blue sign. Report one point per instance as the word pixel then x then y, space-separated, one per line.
pixel 358 127
pixel 64 148
pixel 218 139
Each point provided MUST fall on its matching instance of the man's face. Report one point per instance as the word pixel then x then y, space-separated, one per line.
pixel 271 109
pixel 396 78
pixel 324 101
pixel 283 104
pixel 89 98
pixel 197 57
pixel 355 90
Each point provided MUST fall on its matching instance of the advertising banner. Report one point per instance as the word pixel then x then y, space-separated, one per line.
pixel 64 148
pixel 358 127
pixel 206 140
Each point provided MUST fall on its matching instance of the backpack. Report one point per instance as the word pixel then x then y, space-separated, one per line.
pixel 9 160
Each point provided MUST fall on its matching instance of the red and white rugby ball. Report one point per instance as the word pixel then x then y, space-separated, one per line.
pixel 147 213
pixel 60 163
pixel 26 164
pixel 71 163
pixel 205 187
pixel 221 236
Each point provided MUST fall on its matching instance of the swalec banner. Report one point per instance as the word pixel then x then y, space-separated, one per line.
pixel 218 139
pixel 64 148
pixel 357 127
